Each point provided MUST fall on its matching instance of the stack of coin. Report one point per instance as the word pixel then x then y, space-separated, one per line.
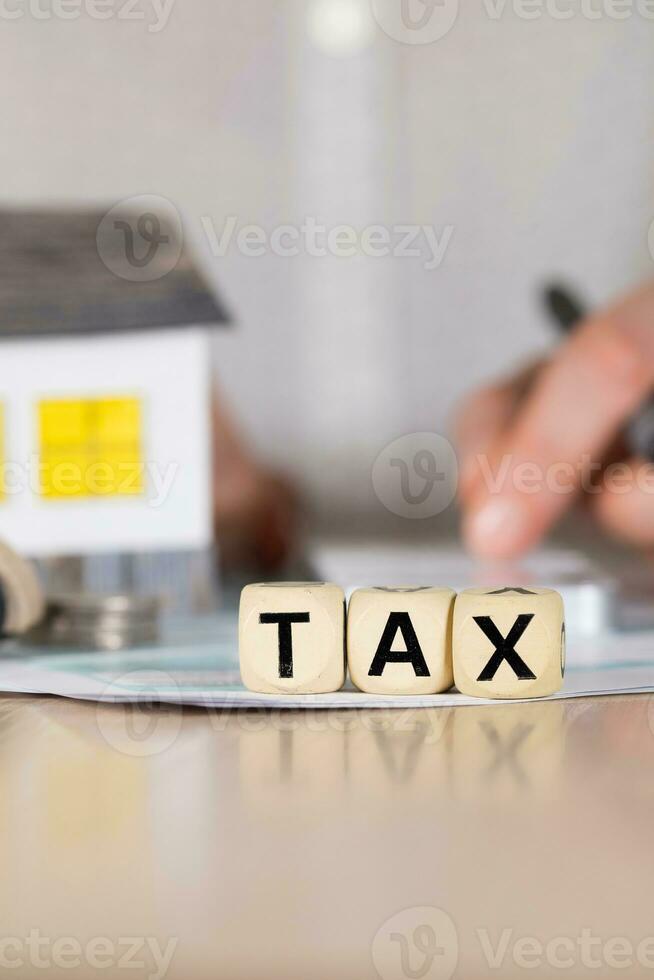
pixel 99 622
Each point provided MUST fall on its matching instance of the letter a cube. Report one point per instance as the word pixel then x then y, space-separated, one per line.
pixel 509 642
pixel 292 638
pixel 399 640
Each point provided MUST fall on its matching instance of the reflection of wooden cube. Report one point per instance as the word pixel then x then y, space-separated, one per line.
pixel 509 643
pixel 410 749
pixel 291 638
pixel 508 755
pixel 399 640
pixel 304 752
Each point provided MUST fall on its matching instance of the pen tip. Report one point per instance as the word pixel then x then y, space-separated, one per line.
pixel 563 306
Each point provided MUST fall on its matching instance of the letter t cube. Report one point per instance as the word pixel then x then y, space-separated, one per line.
pixel 292 638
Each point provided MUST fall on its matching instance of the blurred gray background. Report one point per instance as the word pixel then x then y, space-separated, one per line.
pixel 529 139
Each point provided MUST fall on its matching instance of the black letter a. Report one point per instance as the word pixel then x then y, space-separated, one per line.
pixel 399 621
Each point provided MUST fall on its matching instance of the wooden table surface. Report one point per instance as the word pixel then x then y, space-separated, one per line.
pixel 400 844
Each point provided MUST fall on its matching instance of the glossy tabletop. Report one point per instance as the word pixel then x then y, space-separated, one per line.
pixel 151 842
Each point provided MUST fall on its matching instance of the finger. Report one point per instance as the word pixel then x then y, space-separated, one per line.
pixel 480 420
pixel 578 403
pixel 624 502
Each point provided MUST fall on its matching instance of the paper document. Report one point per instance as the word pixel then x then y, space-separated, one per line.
pixel 197 664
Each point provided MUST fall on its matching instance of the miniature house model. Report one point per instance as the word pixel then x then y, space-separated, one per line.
pixel 104 390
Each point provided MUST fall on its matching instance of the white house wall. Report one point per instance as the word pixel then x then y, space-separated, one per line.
pixel 168 371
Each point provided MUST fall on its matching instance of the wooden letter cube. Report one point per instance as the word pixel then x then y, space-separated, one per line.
pixel 399 641
pixel 292 638
pixel 509 643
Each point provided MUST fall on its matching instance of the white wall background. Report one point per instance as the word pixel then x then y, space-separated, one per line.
pixel 532 138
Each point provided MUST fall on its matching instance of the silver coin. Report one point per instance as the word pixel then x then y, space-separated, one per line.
pixel 99 622
pixel 95 605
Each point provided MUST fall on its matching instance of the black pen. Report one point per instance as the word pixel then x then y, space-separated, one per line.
pixel 566 311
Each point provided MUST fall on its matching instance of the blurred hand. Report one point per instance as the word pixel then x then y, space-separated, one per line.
pixel 531 446
pixel 255 510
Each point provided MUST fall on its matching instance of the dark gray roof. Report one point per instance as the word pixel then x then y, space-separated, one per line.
pixel 57 276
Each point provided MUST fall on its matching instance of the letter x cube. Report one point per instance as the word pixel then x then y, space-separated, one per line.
pixel 292 638
pixel 508 642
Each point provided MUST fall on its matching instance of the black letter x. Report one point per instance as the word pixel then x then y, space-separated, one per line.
pixel 505 647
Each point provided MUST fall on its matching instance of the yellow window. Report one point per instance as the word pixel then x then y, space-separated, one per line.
pixel 91 447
